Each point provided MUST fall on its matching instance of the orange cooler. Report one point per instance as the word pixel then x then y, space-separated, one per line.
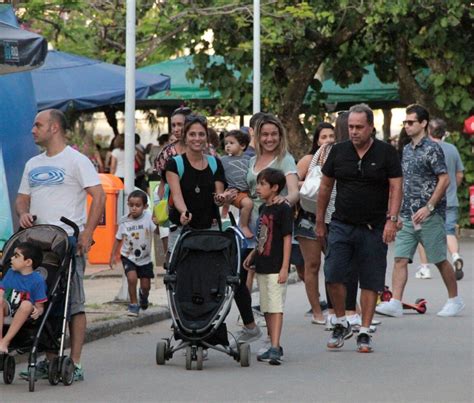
pixel 104 234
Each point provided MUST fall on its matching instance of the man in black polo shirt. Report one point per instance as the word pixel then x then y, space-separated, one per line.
pixel 368 180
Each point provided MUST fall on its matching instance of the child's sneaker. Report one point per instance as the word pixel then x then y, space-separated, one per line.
pixel 275 355
pixel 143 300
pixel 78 373
pixel 364 343
pixel 133 310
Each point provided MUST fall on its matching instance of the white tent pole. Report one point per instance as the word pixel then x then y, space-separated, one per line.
pixel 130 99
pixel 256 56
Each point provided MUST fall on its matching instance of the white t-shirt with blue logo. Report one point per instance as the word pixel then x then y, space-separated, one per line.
pixel 56 186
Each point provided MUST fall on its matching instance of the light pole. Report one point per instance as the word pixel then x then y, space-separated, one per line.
pixel 256 56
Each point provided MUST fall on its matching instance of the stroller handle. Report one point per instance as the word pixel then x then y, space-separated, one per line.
pixel 72 224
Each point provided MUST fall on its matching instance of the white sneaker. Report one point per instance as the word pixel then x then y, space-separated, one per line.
pixel 247 335
pixel 423 273
pixel 354 320
pixel 452 308
pixel 392 308
pixel 330 321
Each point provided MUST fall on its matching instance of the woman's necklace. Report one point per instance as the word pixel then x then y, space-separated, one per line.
pixel 197 189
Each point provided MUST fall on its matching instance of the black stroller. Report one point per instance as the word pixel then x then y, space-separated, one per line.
pixel 47 333
pixel 202 275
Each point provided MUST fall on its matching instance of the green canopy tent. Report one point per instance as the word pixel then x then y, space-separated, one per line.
pixel 369 90
pixel 182 89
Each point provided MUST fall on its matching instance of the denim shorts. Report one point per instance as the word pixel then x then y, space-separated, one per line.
pixel 359 248
pixel 451 220
pixel 304 225
pixel 432 236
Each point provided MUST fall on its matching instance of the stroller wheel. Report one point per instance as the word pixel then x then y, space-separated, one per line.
pixel 199 358
pixel 244 352
pixel 31 378
pixel 189 358
pixel 161 353
pixel 67 371
pixel 8 369
pixel 53 371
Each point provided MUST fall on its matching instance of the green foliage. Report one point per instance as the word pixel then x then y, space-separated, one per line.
pixel 404 38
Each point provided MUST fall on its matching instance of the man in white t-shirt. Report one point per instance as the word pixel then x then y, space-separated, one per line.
pixel 55 184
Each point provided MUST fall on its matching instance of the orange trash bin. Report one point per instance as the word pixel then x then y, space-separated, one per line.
pixel 104 234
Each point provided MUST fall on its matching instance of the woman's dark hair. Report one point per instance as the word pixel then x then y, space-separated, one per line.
pixel 342 126
pixel 317 132
pixel 191 119
pixel 240 136
pixel 273 177
pixel 31 251
pixel 139 194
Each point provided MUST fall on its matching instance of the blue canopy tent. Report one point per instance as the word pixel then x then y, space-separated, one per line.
pixel 68 81
pixel 20 50
pixel 17 112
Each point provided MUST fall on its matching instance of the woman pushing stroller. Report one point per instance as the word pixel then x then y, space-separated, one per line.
pixel 195 180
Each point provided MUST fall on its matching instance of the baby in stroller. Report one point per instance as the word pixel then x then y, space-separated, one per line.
pixel 22 291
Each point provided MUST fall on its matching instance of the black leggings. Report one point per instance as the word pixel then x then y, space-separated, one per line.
pixel 351 292
pixel 242 295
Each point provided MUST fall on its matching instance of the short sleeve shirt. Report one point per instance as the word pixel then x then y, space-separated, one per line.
pixel 362 185
pixel 421 166
pixel 199 203
pixel 274 223
pixel 57 185
pixel 137 236
pixel 453 164
pixel 236 168
pixel 18 287
pixel 287 165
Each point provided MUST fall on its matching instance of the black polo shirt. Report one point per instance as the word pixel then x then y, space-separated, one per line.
pixel 362 184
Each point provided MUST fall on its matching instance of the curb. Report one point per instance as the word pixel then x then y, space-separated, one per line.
pixel 100 330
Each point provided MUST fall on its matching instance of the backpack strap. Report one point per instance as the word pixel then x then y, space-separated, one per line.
pixel 179 164
pixel 211 160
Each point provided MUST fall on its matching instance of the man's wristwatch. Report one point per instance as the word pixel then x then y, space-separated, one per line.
pixel 430 207
pixel 392 218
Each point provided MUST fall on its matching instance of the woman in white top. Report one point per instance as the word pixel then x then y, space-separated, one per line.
pixel 310 246
pixel 117 160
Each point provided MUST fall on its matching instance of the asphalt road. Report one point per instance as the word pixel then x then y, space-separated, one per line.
pixel 416 358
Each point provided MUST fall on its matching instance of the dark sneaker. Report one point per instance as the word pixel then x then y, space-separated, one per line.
pixel 275 355
pixel 265 356
pixel 364 343
pixel 143 299
pixel 133 310
pixel 339 334
pixel 42 370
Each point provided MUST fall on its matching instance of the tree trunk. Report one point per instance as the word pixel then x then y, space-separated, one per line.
pixel 387 122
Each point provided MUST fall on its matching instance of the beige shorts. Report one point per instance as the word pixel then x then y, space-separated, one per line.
pixel 272 294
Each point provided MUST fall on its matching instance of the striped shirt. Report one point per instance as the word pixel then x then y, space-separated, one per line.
pixel 319 158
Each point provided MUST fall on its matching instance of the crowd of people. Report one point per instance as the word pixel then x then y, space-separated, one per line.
pixel 367 199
